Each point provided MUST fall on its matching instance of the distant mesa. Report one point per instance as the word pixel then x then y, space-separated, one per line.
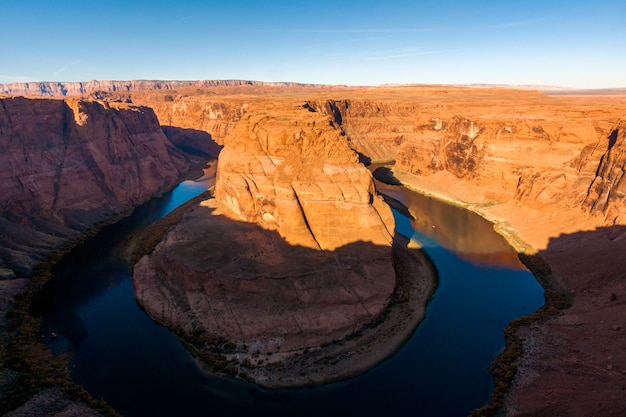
pixel 69 89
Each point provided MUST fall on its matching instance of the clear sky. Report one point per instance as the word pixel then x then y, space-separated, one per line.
pixel 570 43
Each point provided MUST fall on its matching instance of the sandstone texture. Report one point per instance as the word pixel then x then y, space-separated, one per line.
pixel 68 165
pixel 294 252
pixel 296 174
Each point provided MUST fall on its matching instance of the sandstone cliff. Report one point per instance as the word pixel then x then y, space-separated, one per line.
pixel 297 175
pixel 69 165
pixel 608 189
pixel 216 117
pixel 484 146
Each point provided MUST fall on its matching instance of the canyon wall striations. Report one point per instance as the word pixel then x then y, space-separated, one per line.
pixel 69 165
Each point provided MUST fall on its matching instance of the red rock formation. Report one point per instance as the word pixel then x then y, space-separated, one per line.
pixel 69 165
pixel 607 191
pixel 295 173
pixel 293 252
pixel 485 146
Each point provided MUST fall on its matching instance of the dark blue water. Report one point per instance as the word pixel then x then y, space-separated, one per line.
pixel 140 368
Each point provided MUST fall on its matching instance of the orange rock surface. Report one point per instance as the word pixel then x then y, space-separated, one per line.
pixel 293 253
pixel 289 169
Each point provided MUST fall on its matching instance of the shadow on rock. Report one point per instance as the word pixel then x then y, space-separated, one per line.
pixel 253 300
pixel 574 360
pixel 195 142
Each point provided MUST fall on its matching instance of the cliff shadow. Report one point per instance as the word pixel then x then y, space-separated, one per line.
pixel 193 141
pixel 364 159
pixel 586 263
pixel 385 175
pixel 576 337
pixel 264 299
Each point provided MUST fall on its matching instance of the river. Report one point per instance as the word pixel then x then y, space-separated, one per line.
pixel 140 368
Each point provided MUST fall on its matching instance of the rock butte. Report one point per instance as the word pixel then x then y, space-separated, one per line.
pixel 298 257
pixel 547 169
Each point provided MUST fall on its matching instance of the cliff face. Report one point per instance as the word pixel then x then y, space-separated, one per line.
pixel 296 174
pixel 607 192
pixel 484 146
pixel 68 165
pixel 216 117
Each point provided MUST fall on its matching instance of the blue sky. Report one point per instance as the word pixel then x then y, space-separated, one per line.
pixel 570 43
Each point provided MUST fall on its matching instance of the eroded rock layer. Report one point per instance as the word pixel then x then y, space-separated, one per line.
pixel 293 252
pixel 68 165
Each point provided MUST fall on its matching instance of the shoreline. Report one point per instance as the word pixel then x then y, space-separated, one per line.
pixel 557 298
pixel 43 372
pixel 333 360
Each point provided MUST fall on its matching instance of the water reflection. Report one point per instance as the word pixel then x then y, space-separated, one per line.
pixel 456 229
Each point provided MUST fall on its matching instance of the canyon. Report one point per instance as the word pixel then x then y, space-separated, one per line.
pixel 547 170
